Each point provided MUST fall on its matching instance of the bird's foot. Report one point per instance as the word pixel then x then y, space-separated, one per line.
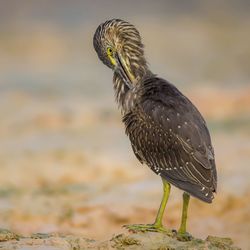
pixel 147 228
pixel 183 236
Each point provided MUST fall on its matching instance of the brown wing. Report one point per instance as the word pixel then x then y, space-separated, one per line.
pixel 168 134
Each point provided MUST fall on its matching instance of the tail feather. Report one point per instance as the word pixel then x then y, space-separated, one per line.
pixel 202 193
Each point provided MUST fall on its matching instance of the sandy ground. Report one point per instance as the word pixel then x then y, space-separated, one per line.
pixel 125 240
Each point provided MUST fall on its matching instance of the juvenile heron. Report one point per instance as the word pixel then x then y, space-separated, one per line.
pixel 166 130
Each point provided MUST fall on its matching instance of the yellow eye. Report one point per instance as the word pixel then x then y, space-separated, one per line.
pixel 109 51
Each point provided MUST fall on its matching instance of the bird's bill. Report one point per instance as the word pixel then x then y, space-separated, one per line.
pixel 124 71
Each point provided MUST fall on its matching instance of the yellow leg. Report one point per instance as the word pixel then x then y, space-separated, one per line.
pixel 166 192
pixel 157 225
pixel 183 226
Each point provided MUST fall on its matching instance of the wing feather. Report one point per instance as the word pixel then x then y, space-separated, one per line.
pixel 169 134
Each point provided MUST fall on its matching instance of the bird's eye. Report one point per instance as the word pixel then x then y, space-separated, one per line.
pixel 111 55
pixel 109 51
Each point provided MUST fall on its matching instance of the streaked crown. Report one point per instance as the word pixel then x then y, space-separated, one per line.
pixel 124 38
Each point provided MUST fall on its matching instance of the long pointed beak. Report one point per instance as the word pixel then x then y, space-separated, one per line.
pixel 124 71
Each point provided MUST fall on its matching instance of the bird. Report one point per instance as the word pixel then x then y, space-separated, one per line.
pixel 166 130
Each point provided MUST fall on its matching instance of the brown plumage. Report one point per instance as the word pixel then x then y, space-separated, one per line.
pixel 166 130
pixel 168 134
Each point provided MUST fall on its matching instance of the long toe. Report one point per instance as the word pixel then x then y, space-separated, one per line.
pixel 147 228
pixel 184 236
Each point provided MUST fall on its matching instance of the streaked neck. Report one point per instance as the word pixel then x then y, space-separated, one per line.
pixel 122 89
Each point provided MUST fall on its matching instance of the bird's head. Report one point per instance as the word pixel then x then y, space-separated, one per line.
pixel 118 45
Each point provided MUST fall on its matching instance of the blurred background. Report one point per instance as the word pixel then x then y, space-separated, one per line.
pixel 65 162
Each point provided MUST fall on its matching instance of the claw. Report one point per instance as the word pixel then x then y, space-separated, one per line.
pixel 184 236
pixel 147 228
